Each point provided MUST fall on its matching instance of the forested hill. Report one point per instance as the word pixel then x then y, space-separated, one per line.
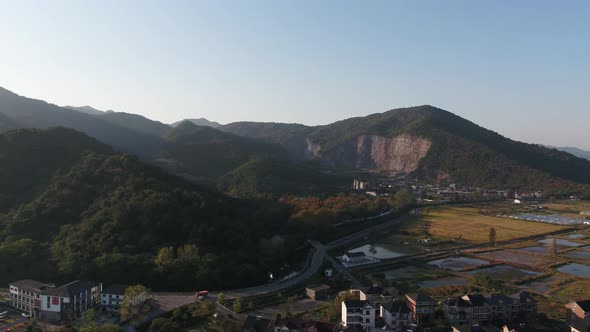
pixel 428 143
pixel 32 113
pixel 92 213
pixel 7 123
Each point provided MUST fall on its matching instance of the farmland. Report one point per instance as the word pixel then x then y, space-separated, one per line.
pixel 466 224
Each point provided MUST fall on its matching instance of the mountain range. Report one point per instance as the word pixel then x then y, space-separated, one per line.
pixel 91 195
pixel 573 150
pixel 422 142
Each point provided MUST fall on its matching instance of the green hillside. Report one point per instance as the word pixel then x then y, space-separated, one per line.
pixel 94 212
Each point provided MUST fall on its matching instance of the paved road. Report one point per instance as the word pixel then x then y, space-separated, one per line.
pixel 173 300
pixel 320 254
pixel 11 325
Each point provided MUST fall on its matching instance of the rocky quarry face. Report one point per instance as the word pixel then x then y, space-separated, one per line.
pixel 396 154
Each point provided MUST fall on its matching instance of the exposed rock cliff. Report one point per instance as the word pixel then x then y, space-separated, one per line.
pixel 401 153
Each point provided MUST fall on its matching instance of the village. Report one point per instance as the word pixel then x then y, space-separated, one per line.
pixel 488 266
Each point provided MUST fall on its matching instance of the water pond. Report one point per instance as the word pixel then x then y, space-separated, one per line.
pixel 576 270
pixel 578 254
pixel 505 273
pixel 458 263
pixel 561 242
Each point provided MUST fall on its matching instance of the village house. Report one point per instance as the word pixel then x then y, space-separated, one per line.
pixel 478 308
pixel 396 315
pixel 375 295
pixel 578 315
pixel 354 258
pixel 318 292
pixel 422 306
pixel 112 297
pixel 54 304
pixel 359 313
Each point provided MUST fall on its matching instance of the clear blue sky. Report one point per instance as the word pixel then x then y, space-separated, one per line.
pixel 521 68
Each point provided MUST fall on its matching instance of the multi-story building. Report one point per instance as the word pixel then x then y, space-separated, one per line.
pixel 478 308
pixel 511 307
pixel 54 304
pixel 112 297
pixel 359 313
pixel 458 311
pixel 397 315
pixel 375 295
pixel 25 295
pixel 578 315
pixel 422 306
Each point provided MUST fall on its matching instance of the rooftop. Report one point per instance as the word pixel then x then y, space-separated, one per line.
pixel 31 284
pixel 396 306
pixel 355 254
pixel 74 287
pixel 585 305
pixel 116 289
pixel 356 304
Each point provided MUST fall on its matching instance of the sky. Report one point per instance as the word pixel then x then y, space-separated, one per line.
pixel 520 68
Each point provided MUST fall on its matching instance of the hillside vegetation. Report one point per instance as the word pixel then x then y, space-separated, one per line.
pixel 460 151
pixel 93 213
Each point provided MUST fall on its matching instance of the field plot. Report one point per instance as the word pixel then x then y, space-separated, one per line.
pixel 571 208
pixel 561 242
pixel 516 258
pixel 576 290
pixel 535 250
pixel 543 285
pixel 550 219
pixel 575 269
pixel 458 263
pixel 576 236
pixel 468 225
pixel 505 273
pixel 441 282
pixel 578 254
pixel 408 272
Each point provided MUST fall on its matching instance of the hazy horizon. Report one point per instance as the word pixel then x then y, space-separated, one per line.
pixel 520 69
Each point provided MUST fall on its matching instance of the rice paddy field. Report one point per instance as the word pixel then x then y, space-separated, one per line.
pixel 466 224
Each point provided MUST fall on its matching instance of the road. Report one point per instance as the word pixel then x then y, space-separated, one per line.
pixel 11 325
pixel 172 300
pixel 319 255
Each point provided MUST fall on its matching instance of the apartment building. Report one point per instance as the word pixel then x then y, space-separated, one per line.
pixel 54 304
pixel 358 313
pixel 422 306
pixel 396 315
pixel 478 308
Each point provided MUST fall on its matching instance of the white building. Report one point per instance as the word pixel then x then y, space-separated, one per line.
pixel 396 315
pixel 359 313
pixel 112 296
pixel 375 295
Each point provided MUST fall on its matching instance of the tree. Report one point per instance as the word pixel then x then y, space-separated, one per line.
pixel 110 328
pixel 403 199
pixel 237 307
pixel 136 303
pixel 221 298
pixel 553 248
pixel 492 236
pixel 250 305
pixel 164 258
pixel 88 322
